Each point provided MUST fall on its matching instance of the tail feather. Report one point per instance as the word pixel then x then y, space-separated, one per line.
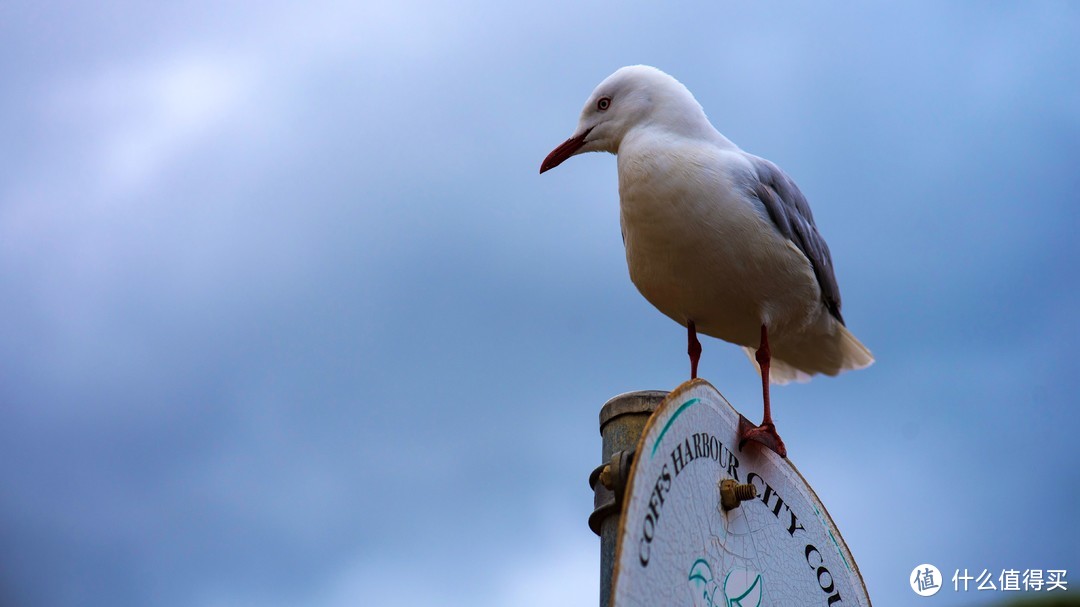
pixel 800 359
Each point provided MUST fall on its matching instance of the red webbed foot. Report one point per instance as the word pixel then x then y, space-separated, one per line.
pixel 764 434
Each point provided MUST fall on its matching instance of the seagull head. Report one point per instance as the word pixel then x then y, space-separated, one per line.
pixel 633 97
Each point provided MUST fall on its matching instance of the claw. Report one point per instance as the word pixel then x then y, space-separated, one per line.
pixel 764 434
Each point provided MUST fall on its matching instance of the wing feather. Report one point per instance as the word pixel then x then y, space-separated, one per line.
pixel 790 212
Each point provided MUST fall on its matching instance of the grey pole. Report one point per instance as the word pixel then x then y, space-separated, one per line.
pixel 622 420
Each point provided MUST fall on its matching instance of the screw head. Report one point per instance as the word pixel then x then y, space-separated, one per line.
pixel 606 477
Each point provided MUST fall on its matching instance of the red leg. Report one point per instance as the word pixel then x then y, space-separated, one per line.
pixel 766 432
pixel 693 347
pixel 764 357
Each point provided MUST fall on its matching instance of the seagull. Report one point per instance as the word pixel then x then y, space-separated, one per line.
pixel 721 241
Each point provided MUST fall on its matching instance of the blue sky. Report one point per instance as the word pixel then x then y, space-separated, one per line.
pixel 287 316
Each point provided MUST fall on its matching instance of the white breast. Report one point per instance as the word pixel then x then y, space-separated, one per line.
pixel 701 248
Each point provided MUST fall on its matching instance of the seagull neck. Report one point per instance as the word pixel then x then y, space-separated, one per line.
pixel 682 130
pixel 720 141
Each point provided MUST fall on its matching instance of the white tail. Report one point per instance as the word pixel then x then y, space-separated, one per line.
pixel 805 356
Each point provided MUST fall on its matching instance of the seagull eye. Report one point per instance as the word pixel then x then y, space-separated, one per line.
pixel 603 103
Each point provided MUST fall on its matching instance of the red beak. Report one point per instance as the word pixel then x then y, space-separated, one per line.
pixel 567 149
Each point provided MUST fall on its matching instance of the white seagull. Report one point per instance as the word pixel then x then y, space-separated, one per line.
pixel 721 241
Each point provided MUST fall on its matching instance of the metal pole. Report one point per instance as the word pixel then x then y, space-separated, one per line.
pixel 622 420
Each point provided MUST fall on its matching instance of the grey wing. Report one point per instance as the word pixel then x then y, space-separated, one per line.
pixel 789 210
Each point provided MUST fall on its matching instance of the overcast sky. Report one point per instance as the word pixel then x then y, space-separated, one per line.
pixel 288 317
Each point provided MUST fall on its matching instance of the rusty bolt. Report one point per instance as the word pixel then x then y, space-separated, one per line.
pixel 733 493
pixel 605 477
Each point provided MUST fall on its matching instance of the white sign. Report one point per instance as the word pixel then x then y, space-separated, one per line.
pixel 678 546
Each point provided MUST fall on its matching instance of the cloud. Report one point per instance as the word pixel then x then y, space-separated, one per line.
pixel 535 565
pixel 150 114
pixel 564 570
